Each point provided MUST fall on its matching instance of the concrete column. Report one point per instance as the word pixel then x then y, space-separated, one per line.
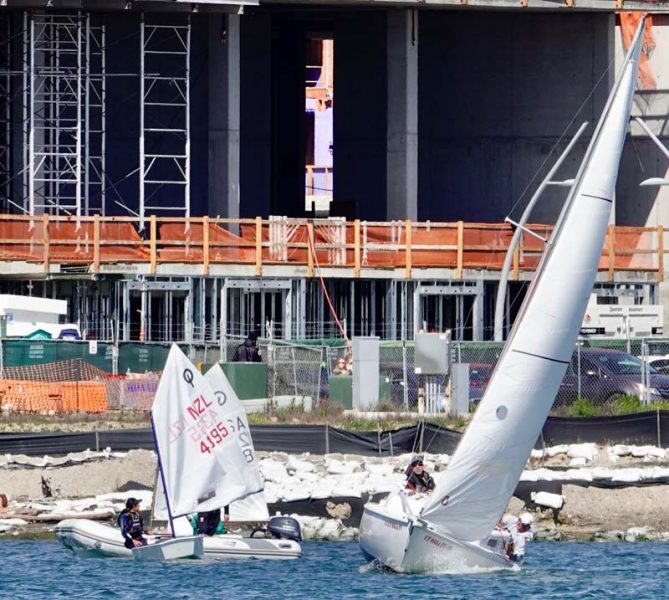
pixel 360 127
pixel 256 111
pixel 402 134
pixel 224 107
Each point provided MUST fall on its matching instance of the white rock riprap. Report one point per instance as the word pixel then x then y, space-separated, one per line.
pixel 85 485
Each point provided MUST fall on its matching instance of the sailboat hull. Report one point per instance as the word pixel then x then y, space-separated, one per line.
pixel 413 546
pixel 91 539
pixel 191 546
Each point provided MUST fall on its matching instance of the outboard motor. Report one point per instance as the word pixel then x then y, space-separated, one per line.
pixel 284 528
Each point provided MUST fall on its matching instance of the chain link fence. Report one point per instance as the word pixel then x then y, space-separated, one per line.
pixel 292 369
pixel 604 377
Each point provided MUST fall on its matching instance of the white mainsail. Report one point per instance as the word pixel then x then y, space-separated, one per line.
pixel 203 465
pixel 484 471
pixel 253 507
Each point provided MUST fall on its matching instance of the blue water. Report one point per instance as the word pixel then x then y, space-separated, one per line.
pixel 39 569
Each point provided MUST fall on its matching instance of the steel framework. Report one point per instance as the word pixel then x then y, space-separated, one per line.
pixel 5 108
pixel 95 119
pixel 64 114
pixel 164 143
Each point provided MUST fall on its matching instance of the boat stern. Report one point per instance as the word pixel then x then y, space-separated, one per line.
pixel 191 546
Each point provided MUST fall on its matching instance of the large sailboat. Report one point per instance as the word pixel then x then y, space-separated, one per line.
pixel 450 529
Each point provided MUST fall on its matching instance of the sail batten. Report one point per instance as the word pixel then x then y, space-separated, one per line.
pixel 485 468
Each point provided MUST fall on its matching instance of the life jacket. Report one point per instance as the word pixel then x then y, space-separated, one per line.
pixel 420 483
pixel 135 525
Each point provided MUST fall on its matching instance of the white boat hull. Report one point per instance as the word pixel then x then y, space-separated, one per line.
pixel 91 539
pixel 190 546
pixel 405 545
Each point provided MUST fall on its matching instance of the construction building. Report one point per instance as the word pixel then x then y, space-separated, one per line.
pixel 181 170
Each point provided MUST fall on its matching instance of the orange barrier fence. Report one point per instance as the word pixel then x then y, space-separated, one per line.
pixel 326 242
pixel 53 398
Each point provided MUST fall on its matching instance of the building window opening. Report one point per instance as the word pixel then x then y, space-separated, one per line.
pixel 319 116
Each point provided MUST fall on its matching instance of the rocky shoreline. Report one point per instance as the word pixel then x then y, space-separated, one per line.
pixel 609 493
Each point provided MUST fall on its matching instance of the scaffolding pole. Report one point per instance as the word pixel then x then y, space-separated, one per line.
pixel 5 107
pixel 164 141
pixel 64 91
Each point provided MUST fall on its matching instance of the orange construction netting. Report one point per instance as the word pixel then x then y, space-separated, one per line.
pixel 49 398
pixel 224 246
pixel 629 21
pixel 119 241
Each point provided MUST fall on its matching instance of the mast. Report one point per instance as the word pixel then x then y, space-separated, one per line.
pixel 161 473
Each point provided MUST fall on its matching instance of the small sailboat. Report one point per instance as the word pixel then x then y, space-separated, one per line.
pixel 450 529
pixel 206 461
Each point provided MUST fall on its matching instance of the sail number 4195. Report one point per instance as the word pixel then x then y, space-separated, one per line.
pixel 213 438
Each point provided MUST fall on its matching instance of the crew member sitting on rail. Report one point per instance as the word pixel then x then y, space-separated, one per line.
pixel 132 525
pixel 418 480
pixel 521 533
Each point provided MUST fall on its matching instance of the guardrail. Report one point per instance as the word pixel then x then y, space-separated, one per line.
pixel 355 245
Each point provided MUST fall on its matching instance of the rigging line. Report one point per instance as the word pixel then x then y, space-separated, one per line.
pixel 439 428
pixel 637 154
pixel 563 134
pixel 312 249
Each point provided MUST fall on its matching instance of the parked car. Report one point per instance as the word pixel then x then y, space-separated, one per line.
pixel 608 374
pixel 479 376
pixel 659 363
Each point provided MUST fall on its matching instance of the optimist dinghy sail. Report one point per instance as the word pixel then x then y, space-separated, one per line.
pixel 203 438
pixel 252 507
pixel 201 464
pixel 475 489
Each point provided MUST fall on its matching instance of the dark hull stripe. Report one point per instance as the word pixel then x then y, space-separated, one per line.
pixel 598 198
pixel 555 360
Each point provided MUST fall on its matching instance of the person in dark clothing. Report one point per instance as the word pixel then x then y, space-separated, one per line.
pixel 132 525
pixel 248 351
pixel 209 523
pixel 418 481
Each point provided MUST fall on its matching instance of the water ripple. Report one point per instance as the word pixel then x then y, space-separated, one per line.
pixel 570 570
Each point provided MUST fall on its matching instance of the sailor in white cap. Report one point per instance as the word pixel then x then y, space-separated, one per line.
pixel 521 533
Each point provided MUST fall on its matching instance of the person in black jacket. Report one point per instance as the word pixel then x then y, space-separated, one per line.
pixel 418 481
pixel 132 525
pixel 248 351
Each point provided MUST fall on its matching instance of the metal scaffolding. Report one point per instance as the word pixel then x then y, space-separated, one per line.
pixel 164 143
pixel 95 120
pixel 5 108
pixel 64 124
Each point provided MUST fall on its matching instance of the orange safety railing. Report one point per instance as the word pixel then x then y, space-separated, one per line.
pixel 353 245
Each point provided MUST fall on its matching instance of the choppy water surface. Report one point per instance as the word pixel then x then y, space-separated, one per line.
pixel 38 569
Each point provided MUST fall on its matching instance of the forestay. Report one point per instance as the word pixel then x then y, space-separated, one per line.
pixel 204 463
pixel 475 489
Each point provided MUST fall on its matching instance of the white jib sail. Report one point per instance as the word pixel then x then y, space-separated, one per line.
pixel 475 489
pixel 203 463
pixel 253 507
